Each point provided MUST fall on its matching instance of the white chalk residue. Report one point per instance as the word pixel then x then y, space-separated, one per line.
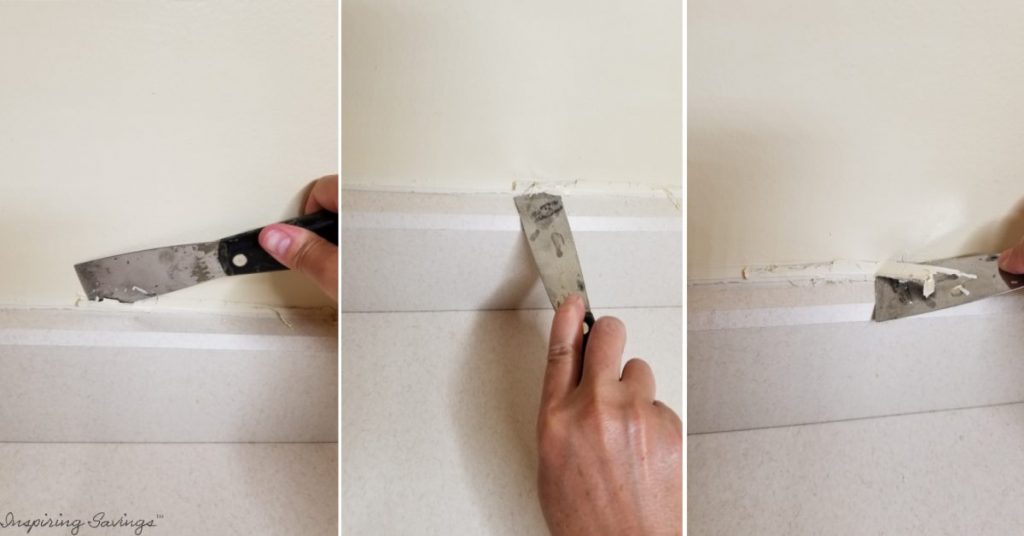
pixel 846 270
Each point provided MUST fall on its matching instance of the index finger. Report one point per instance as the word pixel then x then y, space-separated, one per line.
pixel 323 195
pixel 564 352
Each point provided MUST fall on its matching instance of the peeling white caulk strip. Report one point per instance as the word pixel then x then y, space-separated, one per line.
pixel 294 344
pixel 485 222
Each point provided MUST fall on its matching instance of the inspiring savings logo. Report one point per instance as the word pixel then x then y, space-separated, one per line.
pixel 74 526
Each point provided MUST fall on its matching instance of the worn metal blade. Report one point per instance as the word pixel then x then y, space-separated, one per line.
pixel 898 299
pixel 143 274
pixel 547 231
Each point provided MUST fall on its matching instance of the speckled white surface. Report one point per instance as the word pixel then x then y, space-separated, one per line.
pixel 82 376
pixel 439 411
pixel 468 252
pixel 914 426
pixel 951 472
pixel 159 415
pixel 223 489
pixel 753 375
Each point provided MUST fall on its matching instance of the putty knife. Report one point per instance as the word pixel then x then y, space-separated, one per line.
pixel 138 275
pixel 979 277
pixel 547 231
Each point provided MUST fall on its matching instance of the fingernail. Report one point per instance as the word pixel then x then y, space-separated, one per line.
pixel 574 300
pixel 277 242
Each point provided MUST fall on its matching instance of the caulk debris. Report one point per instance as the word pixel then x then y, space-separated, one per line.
pixel 142 290
pixel 959 290
pixel 922 274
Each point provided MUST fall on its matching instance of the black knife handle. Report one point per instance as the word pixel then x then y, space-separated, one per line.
pixel 588 319
pixel 252 258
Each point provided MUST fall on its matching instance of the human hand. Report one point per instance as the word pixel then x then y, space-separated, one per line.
pixel 301 249
pixel 1012 260
pixel 610 454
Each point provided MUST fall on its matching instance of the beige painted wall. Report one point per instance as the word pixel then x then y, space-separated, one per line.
pixel 852 129
pixel 128 125
pixel 464 95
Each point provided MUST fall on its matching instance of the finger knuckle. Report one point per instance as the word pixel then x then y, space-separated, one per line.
pixel 637 411
pixel 610 418
pixel 305 256
pixel 558 352
pixel 594 409
pixel 300 258
pixel 551 434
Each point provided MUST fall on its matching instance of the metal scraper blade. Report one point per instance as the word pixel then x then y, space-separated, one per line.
pixel 898 299
pixel 134 276
pixel 547 231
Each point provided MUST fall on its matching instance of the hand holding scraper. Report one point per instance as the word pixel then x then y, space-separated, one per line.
pixel 590 444
pixel 138 275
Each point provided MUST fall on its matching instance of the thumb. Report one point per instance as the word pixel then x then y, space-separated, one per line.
pixel 305 252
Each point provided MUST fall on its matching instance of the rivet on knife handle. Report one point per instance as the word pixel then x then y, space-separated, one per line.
pixel 588 319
